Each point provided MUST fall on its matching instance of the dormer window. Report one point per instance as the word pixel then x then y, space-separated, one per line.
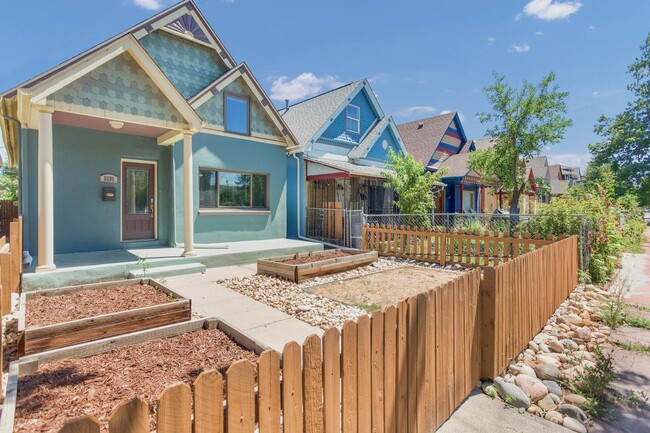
pixel 353 119
pixel 237 114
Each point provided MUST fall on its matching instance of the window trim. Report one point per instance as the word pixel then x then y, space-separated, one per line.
pixel 236 209
pixel 358 120
pixel 225 112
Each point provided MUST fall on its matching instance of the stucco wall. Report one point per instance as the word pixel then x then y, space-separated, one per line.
pixel 82 221
pixel 219 152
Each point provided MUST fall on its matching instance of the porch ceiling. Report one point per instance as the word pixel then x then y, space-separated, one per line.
pixel 102 124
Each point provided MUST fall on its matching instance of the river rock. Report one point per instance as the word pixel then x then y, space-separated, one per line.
pixel 574 319
pixel 544 348
pixel 533 346
pixel 583 333
pixel 554 416
pixel 531 386
pixel 547 403
pixel 574 425
pixel 511 393
pixel 528 371
pixel 547 359
pixel 553 387
pixel 533 409
pixel 556 346
pixel 572 411
pixel 547 371
pixel 570 344
pixel 575 399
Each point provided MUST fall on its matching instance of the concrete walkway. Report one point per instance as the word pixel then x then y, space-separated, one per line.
pixel 266 326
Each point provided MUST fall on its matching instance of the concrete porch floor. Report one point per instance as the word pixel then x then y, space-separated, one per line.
pixel 98 266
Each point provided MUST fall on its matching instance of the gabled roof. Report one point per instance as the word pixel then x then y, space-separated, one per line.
pixel 421 137
pixel 482 144
pixel 559 187
pixel 456 165
pixel 363 148
pixel 307 118
pixel 539 166
pixel 351 168
pixel 555 171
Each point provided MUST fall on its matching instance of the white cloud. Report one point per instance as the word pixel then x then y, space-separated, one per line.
pixel 228 1
pixel 460 115
pixel 571 159
pixel 523 48
pixel 491 40
pixel 416 110
pixel 549 10
pixel 303 86
pixel 519 16
pixel 379 78
pixel 539 33
pixel 151 5
pixel 605 93
pixel 591 27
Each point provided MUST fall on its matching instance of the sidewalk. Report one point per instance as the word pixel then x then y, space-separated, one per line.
pixel 266 326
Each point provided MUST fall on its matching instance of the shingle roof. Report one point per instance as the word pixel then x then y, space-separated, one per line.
pixel 307 117
pixel 359 150
pixel 456 165
pixel 348 167
pixel 559 187
pixel 421 141
pixel 539 165
pixel 555 171
pixel 484 143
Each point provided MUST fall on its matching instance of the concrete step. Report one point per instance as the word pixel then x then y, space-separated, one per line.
pixel 168 271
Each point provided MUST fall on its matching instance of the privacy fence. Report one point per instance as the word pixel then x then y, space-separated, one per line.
pixel 401 370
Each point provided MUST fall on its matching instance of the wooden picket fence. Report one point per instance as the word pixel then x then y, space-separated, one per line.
pixel 465 247
pixel 403 369
pixel 518 297
pixel 8 214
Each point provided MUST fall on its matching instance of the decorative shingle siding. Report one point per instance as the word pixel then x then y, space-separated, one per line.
pixel 119 85
pixel 377 152
pixel 212 110
pixel 191 67
pixel 449 145
pixel 336 131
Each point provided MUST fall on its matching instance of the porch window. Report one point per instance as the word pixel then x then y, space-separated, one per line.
pixel 237 114
pixel 353 119
pixel 227 189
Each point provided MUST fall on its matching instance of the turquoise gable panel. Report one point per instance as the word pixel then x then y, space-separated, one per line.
pixel 212 110
pixel 336 131
pixel 122 86
pixel 378 152
pixel 191 67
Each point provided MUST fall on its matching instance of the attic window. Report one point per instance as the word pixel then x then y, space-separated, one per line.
pixel 353 119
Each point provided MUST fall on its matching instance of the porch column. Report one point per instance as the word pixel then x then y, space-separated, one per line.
pixel 188 195
pixel 45 191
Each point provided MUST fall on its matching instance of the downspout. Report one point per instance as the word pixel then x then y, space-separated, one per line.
pixel 298 216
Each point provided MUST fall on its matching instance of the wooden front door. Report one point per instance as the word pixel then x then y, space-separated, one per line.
pixel 138 200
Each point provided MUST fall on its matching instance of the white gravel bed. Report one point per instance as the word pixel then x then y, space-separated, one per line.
pixel 316 310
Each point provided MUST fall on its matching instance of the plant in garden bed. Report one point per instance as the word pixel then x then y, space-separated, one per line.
pixel 593 384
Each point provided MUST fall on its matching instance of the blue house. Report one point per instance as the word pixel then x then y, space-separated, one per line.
pixel 155 137
pixel 344 139
pixel 440 142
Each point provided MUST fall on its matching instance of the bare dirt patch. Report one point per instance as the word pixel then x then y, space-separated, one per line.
pixel 315 257
pixel 94 385
pixel 47 310
pixel 385 288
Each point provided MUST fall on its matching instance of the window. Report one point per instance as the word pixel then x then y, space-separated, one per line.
pixel 237 114
pixel 353 119
pixel 227 189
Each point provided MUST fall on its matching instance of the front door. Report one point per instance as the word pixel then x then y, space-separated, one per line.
pixel 138 201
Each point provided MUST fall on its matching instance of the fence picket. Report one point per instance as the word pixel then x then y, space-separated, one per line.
pixel 208 402
pixel 131 416
pixel 313 384
pixel 377 371
pixel 82 424
pixel 332 381
pixel 175 409
pixel 402 367
pixel 390 369
pixel 268 394
pixel 240 395
pixel 292 388
pixel 349 376
pixel 364 409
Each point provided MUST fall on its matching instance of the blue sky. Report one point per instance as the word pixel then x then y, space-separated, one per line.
pixel 422 57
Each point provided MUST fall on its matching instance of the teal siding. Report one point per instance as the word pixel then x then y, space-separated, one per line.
pixel 336 131
pixel 191 67
pixel 82 221
pixel 212 110
pixel 219 152
pixel 377 151
pixel 119 85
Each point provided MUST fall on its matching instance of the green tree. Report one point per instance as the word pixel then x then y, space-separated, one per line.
pixel 626 145
pixel 413 185
pixel 523 120
pixel 9 183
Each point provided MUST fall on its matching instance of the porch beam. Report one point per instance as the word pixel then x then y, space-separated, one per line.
pixel 188 195
pixel 45 191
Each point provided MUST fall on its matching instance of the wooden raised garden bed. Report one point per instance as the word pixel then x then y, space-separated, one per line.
pixel 299 267
pixel 48 388
pixel 72 315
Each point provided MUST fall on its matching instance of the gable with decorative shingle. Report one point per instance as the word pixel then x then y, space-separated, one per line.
pixel 337 132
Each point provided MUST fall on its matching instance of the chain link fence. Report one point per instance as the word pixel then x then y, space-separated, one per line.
pixel 343 227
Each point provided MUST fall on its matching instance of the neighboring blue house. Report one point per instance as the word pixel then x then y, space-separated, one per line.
pixel 155 137
pixel 439 142
pixel 344 139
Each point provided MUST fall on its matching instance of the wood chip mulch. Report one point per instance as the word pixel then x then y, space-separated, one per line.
pixel 316 257
pixel 93 386
pixel 47 310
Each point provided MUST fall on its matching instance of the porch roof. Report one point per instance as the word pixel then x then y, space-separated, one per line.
pixel 347 169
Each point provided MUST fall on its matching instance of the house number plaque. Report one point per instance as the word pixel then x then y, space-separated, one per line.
pixel 108 178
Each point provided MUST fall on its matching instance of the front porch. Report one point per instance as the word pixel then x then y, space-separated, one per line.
pixel 97 266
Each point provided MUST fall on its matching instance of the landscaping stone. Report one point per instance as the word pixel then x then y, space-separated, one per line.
pixel 547 403
pixel 553 387
pixel 547 359
pixel 574 425
pixel 511 393
pixel 544 348
pixel 556 346
pixel 489 389
pixel 572 411
pixel 534 409
pixel 533 346
pixel 575 399
pixel 547 371
pixel 556 399
pixel 528 371
pixel 531 386
pixel 554 416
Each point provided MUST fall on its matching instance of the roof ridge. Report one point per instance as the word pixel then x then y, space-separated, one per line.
pixel 324 93
pixel 427 118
